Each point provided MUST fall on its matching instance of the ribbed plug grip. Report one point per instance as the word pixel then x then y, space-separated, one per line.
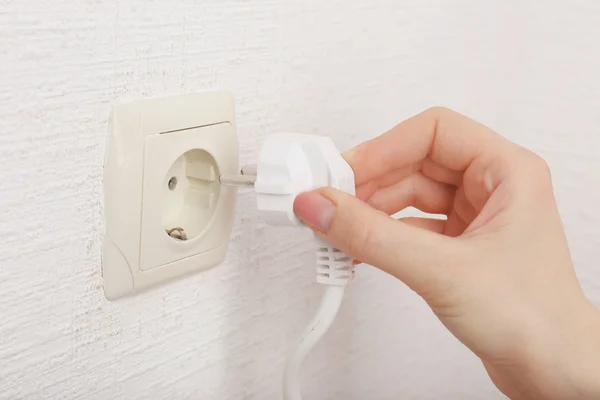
pixel 333 266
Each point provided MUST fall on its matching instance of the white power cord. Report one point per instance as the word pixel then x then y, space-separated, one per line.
pixel 335 270
pixel 318 326
pixel 290 164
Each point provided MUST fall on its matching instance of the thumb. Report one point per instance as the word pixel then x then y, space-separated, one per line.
pixel 416 256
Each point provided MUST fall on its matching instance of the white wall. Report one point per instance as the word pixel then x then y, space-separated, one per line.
pixel 349 69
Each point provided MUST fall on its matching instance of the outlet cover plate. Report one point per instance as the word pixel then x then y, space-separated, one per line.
pixel 191 138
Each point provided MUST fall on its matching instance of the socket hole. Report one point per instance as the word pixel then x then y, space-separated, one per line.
pixel 172 183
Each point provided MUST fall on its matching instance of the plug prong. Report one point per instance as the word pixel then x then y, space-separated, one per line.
pixel 249 170
pixel 245 178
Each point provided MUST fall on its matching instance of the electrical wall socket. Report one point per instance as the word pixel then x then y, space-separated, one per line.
pixel 167 215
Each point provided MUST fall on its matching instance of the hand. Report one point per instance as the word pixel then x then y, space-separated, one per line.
pixel 497 272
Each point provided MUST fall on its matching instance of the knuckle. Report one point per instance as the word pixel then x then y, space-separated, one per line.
pixel 439 110
pixel 537 165
pixel 441 113
pixel 539 175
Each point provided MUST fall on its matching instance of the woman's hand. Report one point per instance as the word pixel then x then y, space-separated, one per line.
pixel 497 271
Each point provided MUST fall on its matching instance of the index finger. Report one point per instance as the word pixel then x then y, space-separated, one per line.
pixel 445 136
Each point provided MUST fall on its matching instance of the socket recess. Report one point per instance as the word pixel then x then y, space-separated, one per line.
pixel 167 215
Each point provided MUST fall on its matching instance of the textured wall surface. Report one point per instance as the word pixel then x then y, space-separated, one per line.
pixel 349 69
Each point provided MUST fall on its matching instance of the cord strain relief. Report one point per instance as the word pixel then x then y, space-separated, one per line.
pixel 333 266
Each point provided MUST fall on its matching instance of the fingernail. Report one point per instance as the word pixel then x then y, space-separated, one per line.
pixel 315 210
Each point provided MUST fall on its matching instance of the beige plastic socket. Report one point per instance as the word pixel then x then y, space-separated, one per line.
pixel 166 213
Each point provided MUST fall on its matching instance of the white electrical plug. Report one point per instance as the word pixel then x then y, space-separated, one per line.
pixel 291 163
pixel 288 165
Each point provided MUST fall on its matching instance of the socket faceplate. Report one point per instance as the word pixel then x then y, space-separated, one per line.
pixel 166 213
